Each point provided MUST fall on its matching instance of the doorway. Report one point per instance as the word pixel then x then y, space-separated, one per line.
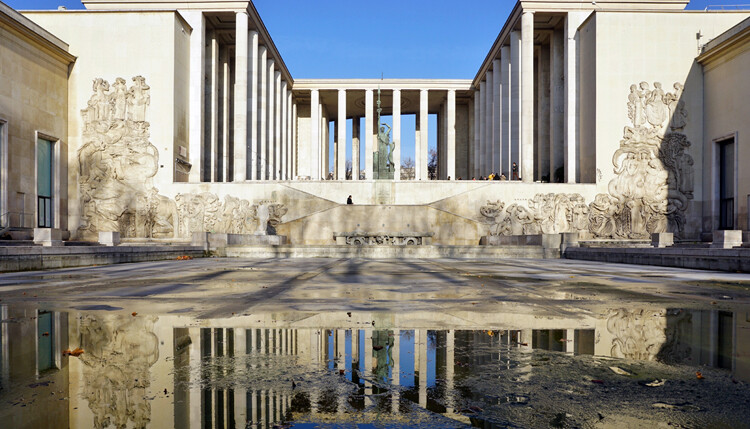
pixel 726 184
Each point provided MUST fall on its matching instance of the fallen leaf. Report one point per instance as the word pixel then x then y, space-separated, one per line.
pixel 598 381
pixel 46 334
pixel 75 353
pixel 698 375
pixel 134 314
pixel 619 371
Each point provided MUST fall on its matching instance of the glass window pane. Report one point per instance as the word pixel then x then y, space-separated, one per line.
pixel 44 168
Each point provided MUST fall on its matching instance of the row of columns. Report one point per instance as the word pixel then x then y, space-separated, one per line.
pixel 319 136
pixel 249 116
pixel 525 109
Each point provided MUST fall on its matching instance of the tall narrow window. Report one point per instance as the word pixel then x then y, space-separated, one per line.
pixel 44 188
pixel 726 184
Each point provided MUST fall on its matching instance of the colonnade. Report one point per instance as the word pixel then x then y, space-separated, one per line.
pixel 525 111
pixel 319 136
pixel 247 130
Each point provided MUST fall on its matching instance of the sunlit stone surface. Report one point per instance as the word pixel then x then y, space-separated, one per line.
pixel 438 343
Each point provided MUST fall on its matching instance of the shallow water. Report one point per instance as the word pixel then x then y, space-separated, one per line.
pixel 619 367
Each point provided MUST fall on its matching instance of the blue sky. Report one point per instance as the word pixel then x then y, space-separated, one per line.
pixel 362 39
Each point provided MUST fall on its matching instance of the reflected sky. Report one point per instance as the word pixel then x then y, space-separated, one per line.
pixel 623 366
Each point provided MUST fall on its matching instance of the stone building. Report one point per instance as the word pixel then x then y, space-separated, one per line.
pixel 185 119
pixel 33 126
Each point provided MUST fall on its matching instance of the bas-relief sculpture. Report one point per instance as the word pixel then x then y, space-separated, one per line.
pixel 650 192
pixel 118 353
pixel 662 335
pixel 117 163
pixel 204 212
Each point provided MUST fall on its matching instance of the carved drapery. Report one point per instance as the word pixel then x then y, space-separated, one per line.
pixel 650 192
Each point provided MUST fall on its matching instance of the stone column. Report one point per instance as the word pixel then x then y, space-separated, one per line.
pixel 422 365
pixel 295 144
pixel 226 122
pixel 314 146
pixel 397 134
pixel 341 140
pixel 496 116
pixel 488 126
pixel 450 362
pixel 482 129
pixel 368 133
pixel 557 110
pixel 396 371
pixel 505 110
pixel 194 394
pixel 270 119
pixel 515 100
pixel 197 94
pixel 356 165
pixel 213 163
pixel 284 131
pixel 253 147
pixel 571 100
pixel 527 97
pixel 543 112
pixel 262 113
pixel 477 134
pixel 423 131
pixel 241 96
pixel 276 141
pixel 240 394
pixel 451 135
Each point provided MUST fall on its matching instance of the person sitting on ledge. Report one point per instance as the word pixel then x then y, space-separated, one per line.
pixel 349 200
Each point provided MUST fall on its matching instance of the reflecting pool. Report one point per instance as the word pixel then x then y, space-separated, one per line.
pixel 104 366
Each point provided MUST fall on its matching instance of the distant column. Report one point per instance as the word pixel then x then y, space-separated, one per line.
pixel 341 142
pixel 252 146
pixel 356 165
pixel 262 112
pixel 482 128
pixel 284 131
pixel 557 93
pixel 289 134
pixel 527 97
pixel 515 100
pixel 397 134
pixel 314 135
pixel 295 144
pixel 270 119
pixel 276 141
pixel 496 116
pixel 505 110
pixel 240 97
pixel 226 122
pixel 488 127
pixel 423 132
pixel 477 134
pixel 368 133
pixel 451 135
pixel 543 112
pixel 213 162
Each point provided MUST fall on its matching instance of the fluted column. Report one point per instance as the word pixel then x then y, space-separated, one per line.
pixel 505 110
pixel 251 171
pixel 341 141
pixel 527 97
pixel 451 135
pixel 368 133
pixel 262 113
pixel 314 145
pixel 482 129
pixel 496 116
pixel 423 134
pixel 240 96
pixel 397 134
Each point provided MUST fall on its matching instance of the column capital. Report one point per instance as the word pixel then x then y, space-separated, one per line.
pixel 241 12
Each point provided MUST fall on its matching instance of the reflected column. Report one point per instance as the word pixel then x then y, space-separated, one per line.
pixel 194 395
pixel 240 394
pixel 368 370
pixel 450 361
pixel 396 371
pixel 422 346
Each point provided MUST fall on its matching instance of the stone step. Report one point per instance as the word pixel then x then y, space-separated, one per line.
pixel 390 252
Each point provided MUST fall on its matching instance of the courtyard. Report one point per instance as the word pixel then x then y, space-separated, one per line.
pixel 375 343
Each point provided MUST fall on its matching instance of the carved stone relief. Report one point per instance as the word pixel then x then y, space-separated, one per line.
pixel 205 212
pixel 117 163
pixel 119 352
pixel 649 335
pixel 650 192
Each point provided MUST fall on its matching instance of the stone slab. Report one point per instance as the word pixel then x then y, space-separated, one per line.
pixel 726 239
pixel 109 238
pixel 48 236
pixel 389 252
pixel 662 239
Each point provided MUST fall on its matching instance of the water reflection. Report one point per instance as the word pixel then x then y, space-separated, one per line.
pixel 270 370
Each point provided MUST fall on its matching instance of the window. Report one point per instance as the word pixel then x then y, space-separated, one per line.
pixel 45 341
pixel 45 157
pixel 726 184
